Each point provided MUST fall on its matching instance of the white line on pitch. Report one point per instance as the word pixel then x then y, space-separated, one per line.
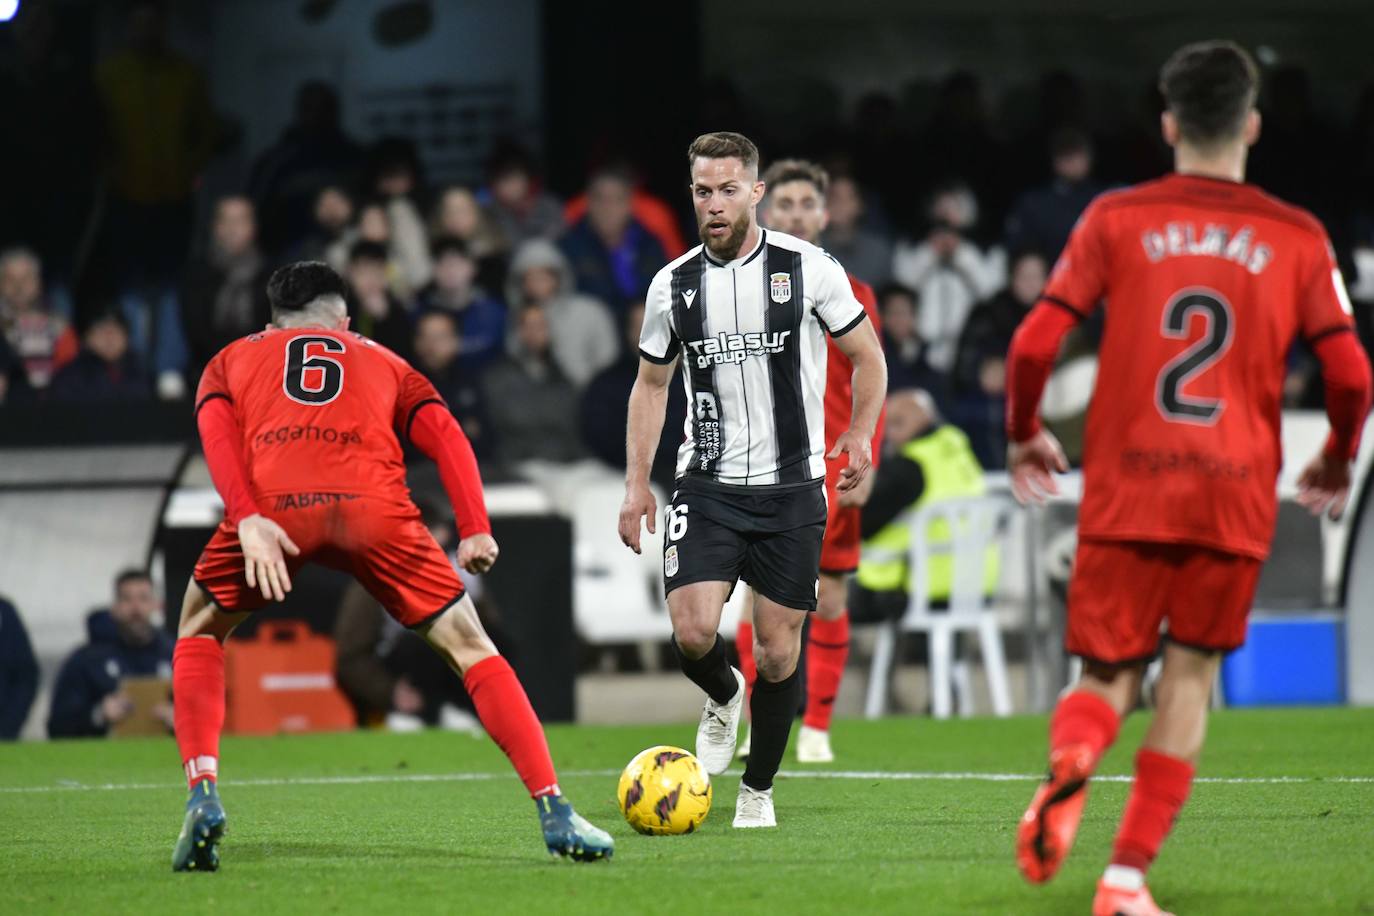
pixel 880 775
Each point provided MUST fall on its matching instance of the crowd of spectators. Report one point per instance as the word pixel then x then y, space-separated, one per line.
pixel 521 306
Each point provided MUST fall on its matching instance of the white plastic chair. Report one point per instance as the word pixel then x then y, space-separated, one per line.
pixel 617 596
pixel 977 526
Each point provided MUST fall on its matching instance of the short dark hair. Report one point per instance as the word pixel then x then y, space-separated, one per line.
pixel 785 170
pixel 898 289
pixel 449 244
pixel 1210 86
pixel 723 144
pixel 364 250
pixel 295 286
pixel 131 574
pixel 1069 140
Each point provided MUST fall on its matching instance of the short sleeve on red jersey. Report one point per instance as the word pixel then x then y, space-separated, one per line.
pixel 414 392
pixel 1079 278
pixel 1324 303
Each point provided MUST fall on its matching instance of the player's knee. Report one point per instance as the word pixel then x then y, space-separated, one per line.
pixel 776 652
pixel 694 639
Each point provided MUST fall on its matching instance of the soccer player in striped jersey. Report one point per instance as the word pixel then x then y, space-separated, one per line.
pixel 747 312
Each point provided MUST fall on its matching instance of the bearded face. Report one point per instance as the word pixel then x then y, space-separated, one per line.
pixel 724 195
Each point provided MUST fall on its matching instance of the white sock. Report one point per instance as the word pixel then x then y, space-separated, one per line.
pixel 1123 878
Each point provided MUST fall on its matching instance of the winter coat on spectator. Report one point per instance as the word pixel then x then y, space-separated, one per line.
pixel 467 401
pixel 394 330
pixel 221 301
pixel 867 255
pixel 481 323
pixel 585 340
pixel 540 218
pixel 605 406
pixel 409 247
pixel 949 289
pixel 18 673
pixel 616 277
pixel 908 367
pixel 651 212
pixel 1043 217
pixel 987 334
pixel 89 379
pixel 93 672
pixel 41 340
pixel 533 409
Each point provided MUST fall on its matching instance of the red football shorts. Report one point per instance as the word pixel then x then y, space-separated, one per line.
pixel 1122 591
pixel 840 548
pixel 382 543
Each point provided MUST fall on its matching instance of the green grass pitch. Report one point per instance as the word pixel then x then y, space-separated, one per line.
pixel 348 824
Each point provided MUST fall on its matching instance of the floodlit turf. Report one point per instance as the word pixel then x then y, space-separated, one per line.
pixel 346 824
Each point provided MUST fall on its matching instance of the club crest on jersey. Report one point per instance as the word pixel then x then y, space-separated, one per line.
pixel 780 287
pixel 670 563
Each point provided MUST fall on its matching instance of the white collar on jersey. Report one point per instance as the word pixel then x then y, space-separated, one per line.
pixel 739 260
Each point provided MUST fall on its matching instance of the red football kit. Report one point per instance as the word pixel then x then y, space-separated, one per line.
pixel 840 549
pixel 1206 284
pixel 304 425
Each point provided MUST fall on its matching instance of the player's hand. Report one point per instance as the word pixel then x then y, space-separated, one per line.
pixel 639 504
pixel 478 553
pixel 263 542
pixel 859 448
pixel 115 708
pixel 1324 486
pixel 857 497
pixel 1031 463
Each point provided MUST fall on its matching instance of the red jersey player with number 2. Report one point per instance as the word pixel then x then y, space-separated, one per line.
pixel 301 426
pixel 1207 282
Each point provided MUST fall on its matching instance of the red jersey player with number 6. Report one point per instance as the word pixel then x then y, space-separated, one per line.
pixel 1207 282
pixel 301 426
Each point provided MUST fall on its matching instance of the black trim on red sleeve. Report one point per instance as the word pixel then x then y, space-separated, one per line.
pixel 210 397
pixel 863 315
pixel 410 420
pixel 1327 332
pixel 1076 312
pixel 658 360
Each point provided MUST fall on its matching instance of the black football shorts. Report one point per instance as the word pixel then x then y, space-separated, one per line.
pixel 769 536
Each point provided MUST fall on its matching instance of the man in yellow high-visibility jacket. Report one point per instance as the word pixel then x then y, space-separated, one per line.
pixel 925 460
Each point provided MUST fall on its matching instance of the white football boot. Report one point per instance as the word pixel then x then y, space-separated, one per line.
pixel 719 729
pixel 813 746
pixel 754 808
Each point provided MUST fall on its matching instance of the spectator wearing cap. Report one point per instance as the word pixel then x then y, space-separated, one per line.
pixel 40 340
pixel 379 313
pixel 1042 218
pixel 613 256
pixel 105 369
pixel 864 253
pixel 481 319
pixel 224 292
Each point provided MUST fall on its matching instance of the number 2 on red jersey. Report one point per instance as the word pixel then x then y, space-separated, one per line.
pixel 1174 404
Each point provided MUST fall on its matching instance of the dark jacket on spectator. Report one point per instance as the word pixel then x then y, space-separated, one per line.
pixel 93 672
pixel 533 409
pixel 211 321
pixel 907 368
pixel 481 324
pixel 1042 218
pixel 467 402
pixel 987 333
pixel 615 277
pixel 89 378
pixel 18 673
pixel 605 404
pixel 395 331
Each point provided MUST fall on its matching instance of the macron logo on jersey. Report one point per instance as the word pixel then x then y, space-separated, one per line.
pixel 689 296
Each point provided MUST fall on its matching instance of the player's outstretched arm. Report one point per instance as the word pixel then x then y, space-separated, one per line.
pixel 648 400
pixel 869 381
pixel 435 433
pixel 1324 485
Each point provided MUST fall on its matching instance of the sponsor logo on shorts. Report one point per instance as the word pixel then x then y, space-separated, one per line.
pixel 670 565
pixel 307 500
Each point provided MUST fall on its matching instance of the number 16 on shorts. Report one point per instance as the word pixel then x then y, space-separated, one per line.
pixel 675 524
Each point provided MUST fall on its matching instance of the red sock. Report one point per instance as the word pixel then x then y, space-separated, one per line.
pixel 1160 789
pixel 1083 718
pixel 198 704
pixel 826 652
pixel 506 714
pixel 744 645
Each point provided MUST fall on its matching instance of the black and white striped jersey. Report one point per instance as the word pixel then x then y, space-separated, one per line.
pixel 751 333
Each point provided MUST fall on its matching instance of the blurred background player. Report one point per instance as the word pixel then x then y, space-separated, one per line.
pixel 749 502
pixel 795 202
pixel 304 421
pixel 1210 282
